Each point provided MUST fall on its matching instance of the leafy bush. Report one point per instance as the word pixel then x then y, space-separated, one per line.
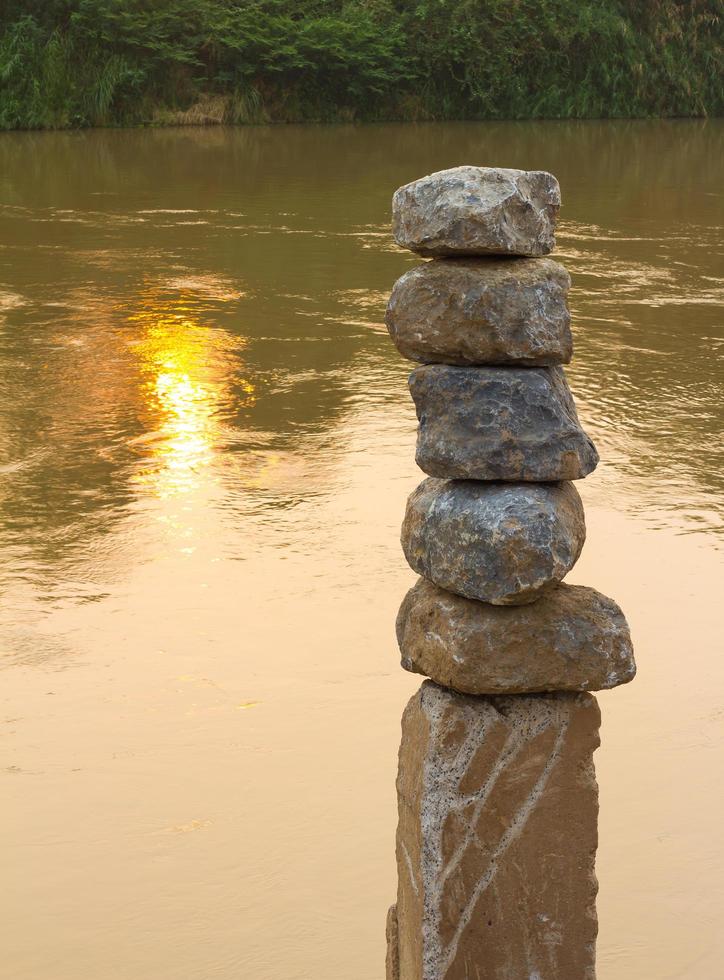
pixel 104 62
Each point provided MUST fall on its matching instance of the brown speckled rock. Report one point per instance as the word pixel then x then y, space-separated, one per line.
pixel 572 639
pixel 505 543
pixel 499 423
pixel 497 837
pixel 482 311
pixel 477 211
pixel 392 960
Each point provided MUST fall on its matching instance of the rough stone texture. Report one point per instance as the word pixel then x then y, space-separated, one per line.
pixel 505 543
pixel 573 639
pixel 482 311
pixel 499 423
pixel 478 211
pixel 497 837
pixel 392 961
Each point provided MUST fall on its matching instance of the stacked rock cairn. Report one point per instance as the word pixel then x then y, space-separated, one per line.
pixel 497 795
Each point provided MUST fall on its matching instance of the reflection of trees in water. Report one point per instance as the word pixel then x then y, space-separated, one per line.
pixel 609 170
pixel 152 394
pixel 64 415
pixel 113 392
pixel 646 307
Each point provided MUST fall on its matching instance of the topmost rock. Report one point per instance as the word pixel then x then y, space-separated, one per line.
pixel 477 211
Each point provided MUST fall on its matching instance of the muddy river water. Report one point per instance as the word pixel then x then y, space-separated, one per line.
pixel 206 443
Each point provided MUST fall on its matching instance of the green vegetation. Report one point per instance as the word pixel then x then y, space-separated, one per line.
pixel 67 63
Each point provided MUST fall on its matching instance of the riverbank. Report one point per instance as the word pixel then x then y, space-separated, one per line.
pixel 87 63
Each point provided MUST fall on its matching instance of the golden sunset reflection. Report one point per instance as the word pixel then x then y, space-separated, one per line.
pixel 187 368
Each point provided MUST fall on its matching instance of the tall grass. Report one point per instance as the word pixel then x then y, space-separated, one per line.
pixel 66 63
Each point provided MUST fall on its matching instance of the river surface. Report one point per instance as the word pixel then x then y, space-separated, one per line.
pixel 206 443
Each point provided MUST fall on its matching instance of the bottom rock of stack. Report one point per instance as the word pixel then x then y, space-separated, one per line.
pixel 497 836
pixel 392 963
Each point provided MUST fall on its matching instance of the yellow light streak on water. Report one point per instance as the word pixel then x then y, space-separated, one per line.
pixel 186 366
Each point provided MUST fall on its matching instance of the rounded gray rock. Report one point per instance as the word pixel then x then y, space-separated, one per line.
pixel 572 639
pixel 499 423
pixel 477 211
pixel 504 543
pixel 482 311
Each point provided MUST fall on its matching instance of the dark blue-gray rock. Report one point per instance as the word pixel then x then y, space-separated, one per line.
pixel 477 211
pixel 505 543
pixel 571 639
pixel 499 423
pixel 482 311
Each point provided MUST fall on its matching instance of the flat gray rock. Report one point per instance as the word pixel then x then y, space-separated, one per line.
pixel 572 639
pixel 482 311
pixel 477 211
pixel 499 423
pixel 505 543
